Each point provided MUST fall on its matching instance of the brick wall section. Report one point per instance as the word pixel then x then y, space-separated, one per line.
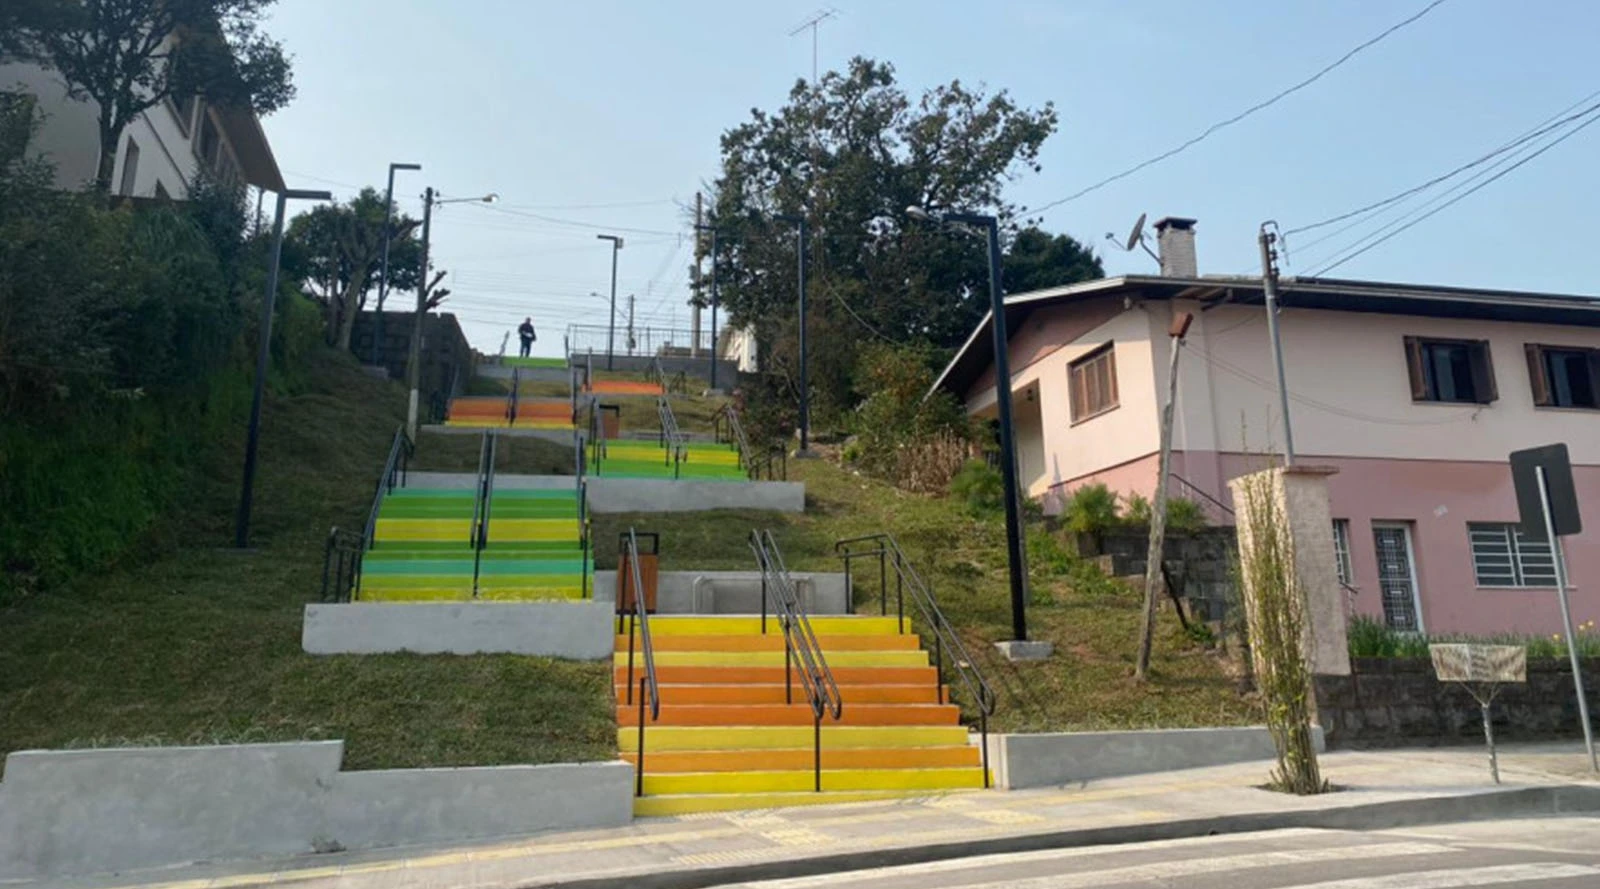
pixel 1397 701
pixel 446 354
pixel 1201 564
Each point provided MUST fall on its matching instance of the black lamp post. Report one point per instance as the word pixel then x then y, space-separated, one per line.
pixel 241 527
pixel 383 272
pixel 611 331
pixel 1015 552
pixel 805 385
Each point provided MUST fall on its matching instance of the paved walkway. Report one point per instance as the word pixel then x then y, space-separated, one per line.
pixel 884 832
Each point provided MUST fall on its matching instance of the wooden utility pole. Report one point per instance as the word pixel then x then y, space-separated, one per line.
pixel 1158 509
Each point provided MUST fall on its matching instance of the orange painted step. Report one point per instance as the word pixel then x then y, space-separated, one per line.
pixel 799 760
pixel 622 387
pixel 792 714
pixel 774 694
pixel 773 642
pixel 691 675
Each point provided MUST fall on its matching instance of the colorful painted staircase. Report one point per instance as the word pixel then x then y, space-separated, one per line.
pixel 623 387
pixel 423 549
pixel 489 412
pixel 727 739
pixel 510 361
pixel 646 458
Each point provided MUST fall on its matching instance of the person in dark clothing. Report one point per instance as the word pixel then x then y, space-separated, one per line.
pixel 527 335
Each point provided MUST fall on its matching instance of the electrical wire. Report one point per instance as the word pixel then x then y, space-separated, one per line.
pixel 1259 106
pixel 1469 192
pixel 1226 367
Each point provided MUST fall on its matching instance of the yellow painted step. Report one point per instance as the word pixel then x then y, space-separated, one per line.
pixel 535 530
pixel 417 594
pixel 802 780
pixel 787 737
pixel 688 804
pixel 776 658
pixel 837 625
pixel 423 529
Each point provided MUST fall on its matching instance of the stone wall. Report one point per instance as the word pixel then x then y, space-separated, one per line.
pixel 446 354
pixel 1397 701
pixel 1200 564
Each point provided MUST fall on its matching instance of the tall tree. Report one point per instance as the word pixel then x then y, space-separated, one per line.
pixel 851 152
pixel 337 249
pixel 127 56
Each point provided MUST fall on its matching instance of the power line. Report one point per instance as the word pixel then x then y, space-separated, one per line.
pixel 1564 137
pixel 1551 123
pixel 1259 106
pixel 573 223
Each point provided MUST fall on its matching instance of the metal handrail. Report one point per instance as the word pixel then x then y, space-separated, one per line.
pixel 513 396
pixel 800 646
pixel 1196 489
pixel 726 426
pixel 481 508
pixel 394 475
pixel 907 578
pixel 581 486
pixel 341 564
pixel 649 690
pixel 671 436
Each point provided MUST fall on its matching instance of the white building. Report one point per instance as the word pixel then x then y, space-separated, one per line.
pixel 160 153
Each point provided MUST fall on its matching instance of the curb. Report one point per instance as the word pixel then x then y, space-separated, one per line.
pixel 1519 802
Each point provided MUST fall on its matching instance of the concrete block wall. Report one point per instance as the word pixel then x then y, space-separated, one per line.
pixel 731 592
pixel 1055 759
pixel 75 812
pixel 572 630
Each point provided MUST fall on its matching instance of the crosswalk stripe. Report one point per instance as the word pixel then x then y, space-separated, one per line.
pixel 1159 870
pixel 1462 878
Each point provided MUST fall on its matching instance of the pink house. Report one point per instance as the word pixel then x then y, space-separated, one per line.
pixel 1415 394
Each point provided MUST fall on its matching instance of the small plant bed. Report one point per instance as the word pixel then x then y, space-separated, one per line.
pixel 1369 638
pixel 198 645
pixel 1092 620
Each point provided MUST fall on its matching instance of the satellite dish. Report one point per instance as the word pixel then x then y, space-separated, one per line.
pixel 1135 235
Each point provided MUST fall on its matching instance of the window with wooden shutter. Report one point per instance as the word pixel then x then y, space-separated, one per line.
pixel 1455 371
pixel 1564 376
pixel 1092 383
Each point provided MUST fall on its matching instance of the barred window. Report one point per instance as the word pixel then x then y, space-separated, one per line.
pixel 1341 551
pixel 1503 556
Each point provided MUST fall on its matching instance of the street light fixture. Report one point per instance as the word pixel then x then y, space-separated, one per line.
pixel 241 529
pixel 383 274
pixel 1015 552
pixel 799 221
pixel 611 332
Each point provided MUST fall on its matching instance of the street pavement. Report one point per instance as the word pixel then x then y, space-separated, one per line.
pixel 1430 785
pixel 1544 853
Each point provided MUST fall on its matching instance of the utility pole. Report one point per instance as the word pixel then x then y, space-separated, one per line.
pixel 414 365
pixel 611 333
pixel 630 324
pixel 694 304
pixel 1269 283
pixel 714 301
pixel 1158 510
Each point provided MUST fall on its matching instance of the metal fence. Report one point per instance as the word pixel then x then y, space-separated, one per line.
pixel 642 341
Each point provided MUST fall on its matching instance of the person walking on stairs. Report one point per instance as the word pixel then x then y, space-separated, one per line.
pixel 527 335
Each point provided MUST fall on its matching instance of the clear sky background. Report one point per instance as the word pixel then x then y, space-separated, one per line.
pixel 605 117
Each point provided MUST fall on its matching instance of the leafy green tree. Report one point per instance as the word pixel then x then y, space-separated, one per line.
pixel 1037 260
pixel 128 56
pixel 850 153
pixel 337 251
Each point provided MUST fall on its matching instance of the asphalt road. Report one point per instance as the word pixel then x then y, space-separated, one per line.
pixel 1522 854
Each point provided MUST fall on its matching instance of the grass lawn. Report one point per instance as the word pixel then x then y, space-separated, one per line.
pixel 1093 623
pixel 195 644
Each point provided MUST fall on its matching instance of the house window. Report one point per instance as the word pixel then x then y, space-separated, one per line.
pixel 182 111
pixel 209 145
pixel 130 168
pixel 1093 382
pixel 1564 376
pixel 1503 556
pixel 1455 371
pixel 1341 550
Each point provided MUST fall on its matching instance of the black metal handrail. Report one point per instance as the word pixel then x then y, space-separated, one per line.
pixel 572 390
pixel 907 579
pixel 728 430
pixel 800 646
pixel 513 396
pixel 671 436
pixel 481 508
pixel 394 475
pixel 639 624
pixel 341 564
pixel 581 486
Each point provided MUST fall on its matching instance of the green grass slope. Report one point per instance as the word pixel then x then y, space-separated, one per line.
pixel 198 645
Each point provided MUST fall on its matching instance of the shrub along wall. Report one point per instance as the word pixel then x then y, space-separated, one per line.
pixel 1397 701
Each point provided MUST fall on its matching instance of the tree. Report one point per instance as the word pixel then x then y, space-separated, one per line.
pixel 337 250
pixel 128 56
pixel 850 153
pixel 1036 260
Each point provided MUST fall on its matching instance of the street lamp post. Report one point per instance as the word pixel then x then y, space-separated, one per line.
pixel 241 528
pixel 414 362
pixel 699 227
pixel 383 273
pixel 611 334
pixel 1015 553
pixel 805 386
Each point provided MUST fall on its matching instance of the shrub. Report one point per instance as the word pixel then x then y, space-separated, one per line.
pixel 900 427
pixel 1092 510
pixel 1184 515
pixel 1370 637
pixel 1136 511
pixel 979 486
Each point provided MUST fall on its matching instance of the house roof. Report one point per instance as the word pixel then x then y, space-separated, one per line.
pixel 977 353
pixel 250 146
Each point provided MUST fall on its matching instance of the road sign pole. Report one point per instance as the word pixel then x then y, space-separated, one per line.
pixel 1559 559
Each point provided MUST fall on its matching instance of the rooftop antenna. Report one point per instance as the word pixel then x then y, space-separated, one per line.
pixel 815 23
pixel 1136 238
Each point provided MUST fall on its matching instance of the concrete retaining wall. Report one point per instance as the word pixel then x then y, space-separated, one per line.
pixel 92 811
pixel 730 592
pixel 667 495
pixel 573 630
pixel 1049 760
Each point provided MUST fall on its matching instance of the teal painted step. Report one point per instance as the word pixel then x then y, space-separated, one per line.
pixel 418 549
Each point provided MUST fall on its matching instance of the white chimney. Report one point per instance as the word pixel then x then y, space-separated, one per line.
pixel 1175 238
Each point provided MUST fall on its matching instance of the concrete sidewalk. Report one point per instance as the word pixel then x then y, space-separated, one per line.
pixel 1378 790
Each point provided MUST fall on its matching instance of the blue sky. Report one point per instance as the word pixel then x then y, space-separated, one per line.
pixel 606 116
